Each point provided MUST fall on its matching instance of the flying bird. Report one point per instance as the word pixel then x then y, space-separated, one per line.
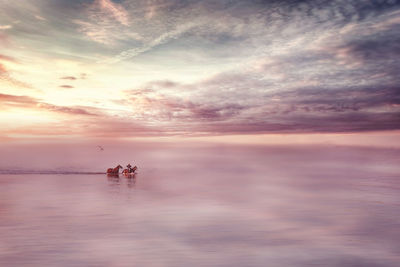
pixel 101 148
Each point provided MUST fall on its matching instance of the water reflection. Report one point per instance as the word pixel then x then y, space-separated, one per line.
pixel 131 180
pixel 113 179
pixel 274 207
pixel 116 179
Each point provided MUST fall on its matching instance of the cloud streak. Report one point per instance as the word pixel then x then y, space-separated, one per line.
pixel 23 101
pixel 105 20
pixel 66 86
pixel 69 78
pixel 5 27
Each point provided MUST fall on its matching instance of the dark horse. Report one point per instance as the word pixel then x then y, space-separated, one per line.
pixel 114 170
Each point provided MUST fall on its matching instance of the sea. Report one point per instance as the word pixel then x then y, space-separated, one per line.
pixel 205 205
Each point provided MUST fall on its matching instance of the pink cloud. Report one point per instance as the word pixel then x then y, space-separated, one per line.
pixel 2 69
pixel 7 58
pixel 5 73
pixel 34 103
pixel 6 77
pixel 104 22
pixel 116 10
pixel 16 99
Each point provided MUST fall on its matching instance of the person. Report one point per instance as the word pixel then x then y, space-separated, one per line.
pixel 130 169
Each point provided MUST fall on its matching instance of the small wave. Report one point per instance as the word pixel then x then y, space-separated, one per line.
pixel 47 172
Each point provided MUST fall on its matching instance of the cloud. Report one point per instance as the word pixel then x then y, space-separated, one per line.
pixel 5 27
pixel 338 100
pixel 81 76
pixel 63 109
pixel 153 106
pixel 217 108
pixel 6 77
pixel 14 99
pixel 147 46
pixel 4 39
pixel 40 18
pixel 114 9
pixel 106 20
pixel 375 49
pixel 34 103
pixel 87 121
pixel 2 69
pixel 68 78
pixel 221 66
pixel 7 58
pixel 268 27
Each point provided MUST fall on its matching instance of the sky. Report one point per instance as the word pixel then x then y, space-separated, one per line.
pixel 111 69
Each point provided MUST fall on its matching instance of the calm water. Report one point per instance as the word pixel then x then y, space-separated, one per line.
pixel 226 206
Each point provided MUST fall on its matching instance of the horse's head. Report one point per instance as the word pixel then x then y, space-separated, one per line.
pixel 129 165
pixel 119 166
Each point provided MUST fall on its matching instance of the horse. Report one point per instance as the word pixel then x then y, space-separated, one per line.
pixel 130 170
pixel 126 171
pixel 114 170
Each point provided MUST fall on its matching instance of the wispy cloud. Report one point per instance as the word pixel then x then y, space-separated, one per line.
pixel 5 27
pixel 16 100
pixel 6 75
pixel 40 18
pixel 68 78
pixel 2 69
pixel 114 9
pixel 105 19
pixel 7 58
pixel 66 86
pixel 34 103
pixel 63 109
pixel 162 39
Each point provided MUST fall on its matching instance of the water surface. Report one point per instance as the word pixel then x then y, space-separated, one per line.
pixel 225 206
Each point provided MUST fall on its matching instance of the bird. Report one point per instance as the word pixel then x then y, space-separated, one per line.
pixel 101 148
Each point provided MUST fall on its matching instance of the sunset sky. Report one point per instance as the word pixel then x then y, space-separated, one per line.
pixel 157 68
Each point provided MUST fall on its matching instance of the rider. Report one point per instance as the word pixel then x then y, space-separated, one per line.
pixel 129 166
